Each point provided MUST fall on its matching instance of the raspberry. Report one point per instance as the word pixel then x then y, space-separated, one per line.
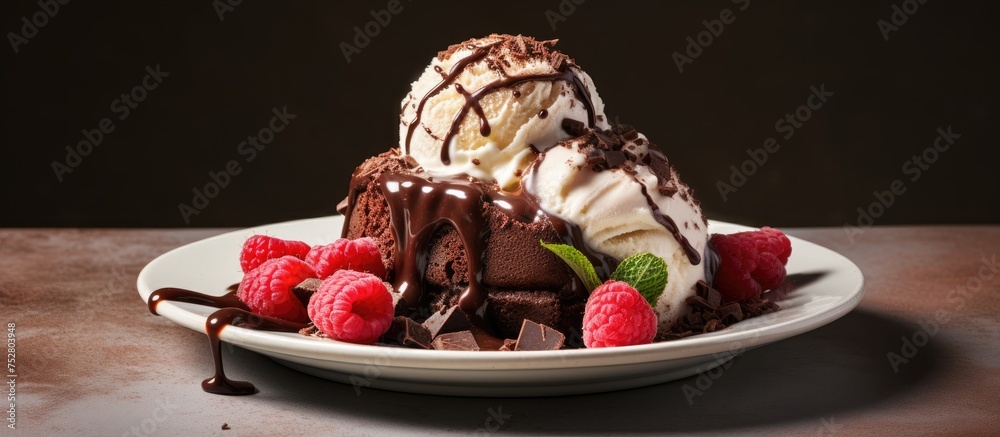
pixel 267 290
pixel 260 248
pixel 617 315
pixel 352 306
pixel 750 262
pixel 360 255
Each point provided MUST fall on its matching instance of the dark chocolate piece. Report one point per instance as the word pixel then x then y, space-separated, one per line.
pixel 399 305
pixel 708 317
pixel 444 322
pixel 456 341
pixel 536 337
pixel 406 332
pixel 731 313
pixel 508 344
pixel 305 290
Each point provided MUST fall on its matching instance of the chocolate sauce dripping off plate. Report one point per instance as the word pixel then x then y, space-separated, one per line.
pixel 232 312
pixel 217 321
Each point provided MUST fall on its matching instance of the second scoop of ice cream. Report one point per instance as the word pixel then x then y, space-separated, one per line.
pixel 627 199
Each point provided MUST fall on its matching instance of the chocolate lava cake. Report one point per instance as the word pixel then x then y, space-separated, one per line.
pixel 520 278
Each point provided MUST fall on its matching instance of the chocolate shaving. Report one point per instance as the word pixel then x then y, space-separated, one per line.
pixel 709 314
pixel 305 290
pixel 405 332
pixel 511 49
pixel 574 127
pixel 456 341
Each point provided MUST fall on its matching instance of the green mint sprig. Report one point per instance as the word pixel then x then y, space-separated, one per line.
pixel 576 261
pixel 645 272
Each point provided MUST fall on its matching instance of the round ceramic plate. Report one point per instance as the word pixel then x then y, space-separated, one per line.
pixel 821 287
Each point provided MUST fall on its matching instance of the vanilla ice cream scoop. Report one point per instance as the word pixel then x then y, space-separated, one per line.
pixel 627 199
pixel 488 106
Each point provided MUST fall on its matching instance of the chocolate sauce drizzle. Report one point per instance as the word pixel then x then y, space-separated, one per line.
pixel 418 206
pixel 565 73
pixel 445 81
pixel 232 312
pixel 671 226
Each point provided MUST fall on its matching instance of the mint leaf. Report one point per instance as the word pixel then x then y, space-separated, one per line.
pixel 576 261
pixel 645 272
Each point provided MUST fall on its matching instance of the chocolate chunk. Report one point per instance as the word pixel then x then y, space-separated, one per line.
pixel 660 167
pixel 406 332
pixel 311 330
pixel 574 127
pixel 456 341
pixel 399 305
pixel 305 289
pixel 714 325
pixel 707 316
pixel 628 132
pixel 731 313
pixel 714 297
pixel 614 158
pixel 698 301
pixel 536 337
pixel 508 344
pixel 443 322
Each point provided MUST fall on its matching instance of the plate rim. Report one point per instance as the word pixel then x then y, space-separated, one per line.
pixel 327 350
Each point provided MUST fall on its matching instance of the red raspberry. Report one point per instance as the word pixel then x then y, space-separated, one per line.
pixel 267 290
pixel 352 306
pixel 360 255
pixel 750 262
pixel 617 315
pixel 260 248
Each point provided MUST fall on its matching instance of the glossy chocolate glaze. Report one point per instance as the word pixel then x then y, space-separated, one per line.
pixel 217 321
pixel 418 205
pixel 228 300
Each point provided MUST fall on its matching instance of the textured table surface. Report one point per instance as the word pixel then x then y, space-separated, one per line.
pixel 92 360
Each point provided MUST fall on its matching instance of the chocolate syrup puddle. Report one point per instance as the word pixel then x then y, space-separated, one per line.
pixel 232 312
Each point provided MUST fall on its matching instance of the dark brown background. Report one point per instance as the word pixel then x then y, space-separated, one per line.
pixel 938 69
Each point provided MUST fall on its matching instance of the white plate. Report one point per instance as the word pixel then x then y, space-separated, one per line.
pixel 822 287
